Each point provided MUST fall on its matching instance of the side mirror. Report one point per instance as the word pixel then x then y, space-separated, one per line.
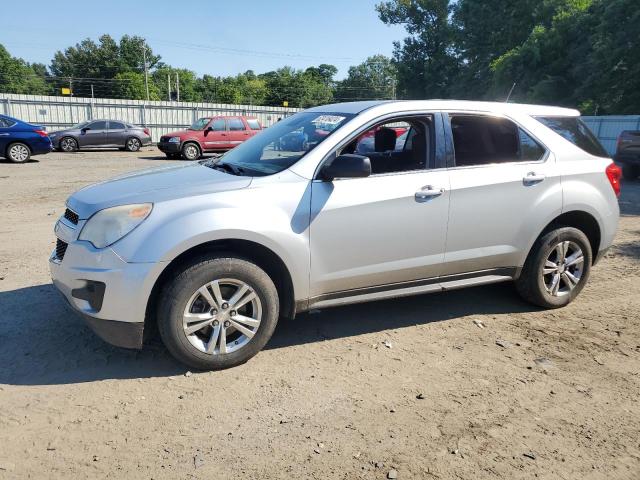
pixel 346 166
pixel 84 130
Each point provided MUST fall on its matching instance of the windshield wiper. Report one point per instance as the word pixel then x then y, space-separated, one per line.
pixel 226 167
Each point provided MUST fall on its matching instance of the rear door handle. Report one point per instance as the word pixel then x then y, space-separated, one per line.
pixel 427 193
pixel 532 178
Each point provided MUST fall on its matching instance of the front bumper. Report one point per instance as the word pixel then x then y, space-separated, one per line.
pixel 169 147
pixel 108 292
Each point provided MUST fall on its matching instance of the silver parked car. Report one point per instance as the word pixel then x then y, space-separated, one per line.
pixel 216 251
pixel 101 134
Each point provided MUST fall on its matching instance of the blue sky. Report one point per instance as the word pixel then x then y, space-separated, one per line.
pixel 266 34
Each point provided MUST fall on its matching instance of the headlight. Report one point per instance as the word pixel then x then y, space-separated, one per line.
pixel 174 140
pixel 111 224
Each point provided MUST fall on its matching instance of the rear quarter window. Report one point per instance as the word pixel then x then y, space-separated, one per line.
pixel 574 130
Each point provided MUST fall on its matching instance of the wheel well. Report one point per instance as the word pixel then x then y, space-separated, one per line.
pixel 195 142
pixel 18 141
pixel 252 251
pixel 584 222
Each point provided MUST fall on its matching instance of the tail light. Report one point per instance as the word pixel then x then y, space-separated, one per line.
pixel 42 133
pixel 614 174
pixel 146 132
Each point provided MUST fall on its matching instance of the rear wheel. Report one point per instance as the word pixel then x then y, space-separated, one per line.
pixel 18 153
pixel 190 151
pixel 133 144
pixel 68 144
pixel 630 172
pixel 556 269
pixel 218 312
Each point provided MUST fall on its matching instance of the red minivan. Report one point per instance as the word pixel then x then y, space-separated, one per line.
pixel 209 134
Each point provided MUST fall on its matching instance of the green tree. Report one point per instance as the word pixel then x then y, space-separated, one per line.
pixel 165 77
pixel 428 59
pixel 131 85
pixel 373 79
pixel 17 76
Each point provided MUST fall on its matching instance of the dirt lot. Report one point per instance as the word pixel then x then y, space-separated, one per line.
pixel 327 398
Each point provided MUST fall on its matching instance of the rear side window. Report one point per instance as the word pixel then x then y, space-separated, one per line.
pixel 574 130
pixel 116 126
pixel 482 140
pixel 254 124
pixel 236 124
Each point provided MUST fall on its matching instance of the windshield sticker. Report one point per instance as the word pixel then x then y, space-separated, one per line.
pixel 328 122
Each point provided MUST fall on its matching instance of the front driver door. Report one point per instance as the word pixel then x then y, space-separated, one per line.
pixel 94 134
pixel 383 229
pixel 216 136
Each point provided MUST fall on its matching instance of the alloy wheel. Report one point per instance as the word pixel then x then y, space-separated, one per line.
pixel 133 144
pixel 68 144
pixel 222 316
pixel 563 268
pixel 19 153
pixel 191 152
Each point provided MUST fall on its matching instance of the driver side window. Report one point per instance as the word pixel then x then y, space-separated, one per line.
pixel 396 145
pixel 219 125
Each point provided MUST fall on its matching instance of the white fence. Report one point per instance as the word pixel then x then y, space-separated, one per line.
pixel 56 113
pixel 607 128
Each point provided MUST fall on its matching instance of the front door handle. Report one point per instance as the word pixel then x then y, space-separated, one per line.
pixel 533 178
pixel 427 193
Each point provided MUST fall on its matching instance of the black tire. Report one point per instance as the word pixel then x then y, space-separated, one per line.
pixel 531 282
pixel 18 152
pixel 188 280
pixel 133 144
pixel 68 144
pixel 191 151
pixel 630 172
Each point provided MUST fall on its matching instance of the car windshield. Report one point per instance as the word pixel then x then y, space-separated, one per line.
pixel 281 145
pixel 199 124
pixel 79 126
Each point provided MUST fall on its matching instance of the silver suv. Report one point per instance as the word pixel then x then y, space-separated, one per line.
pixel 450 194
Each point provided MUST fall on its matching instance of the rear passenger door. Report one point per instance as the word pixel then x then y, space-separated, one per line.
pixel 238 131
pixel 94 134
pixel 116 134
pixel 504 189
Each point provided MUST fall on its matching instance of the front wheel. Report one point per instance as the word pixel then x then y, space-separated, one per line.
pixel 68 144
pixel 190 151
pixel 218 312
pixel 556 269
pixel 18 153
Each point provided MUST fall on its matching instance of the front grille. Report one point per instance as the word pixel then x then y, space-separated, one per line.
pixel 61 248
pixel 71 216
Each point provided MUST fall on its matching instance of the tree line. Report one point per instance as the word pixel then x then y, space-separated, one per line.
pixel 577 53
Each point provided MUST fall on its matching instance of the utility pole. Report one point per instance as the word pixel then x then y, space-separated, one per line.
pixel 70 87
pixel 92 93
pixel 393 88
pixel 178 86
pixel 169 86
pixel 146 71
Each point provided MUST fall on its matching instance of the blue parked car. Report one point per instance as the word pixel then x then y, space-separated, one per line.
pixel 19 140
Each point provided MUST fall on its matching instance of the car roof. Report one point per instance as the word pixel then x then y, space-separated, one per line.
pixel 461 105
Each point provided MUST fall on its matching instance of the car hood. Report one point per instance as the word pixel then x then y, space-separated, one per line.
pixel 66 130
pixel 181 133
pixel 154 185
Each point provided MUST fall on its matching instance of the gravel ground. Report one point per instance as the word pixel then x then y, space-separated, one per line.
pixel 412 385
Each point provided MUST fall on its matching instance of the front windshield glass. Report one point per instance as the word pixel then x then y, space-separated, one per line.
pixel 79 126
pixel 283 144
pixel 199 124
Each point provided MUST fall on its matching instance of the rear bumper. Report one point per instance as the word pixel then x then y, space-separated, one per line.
pixel 41 147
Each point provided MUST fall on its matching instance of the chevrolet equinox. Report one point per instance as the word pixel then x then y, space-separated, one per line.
pixel 213 252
